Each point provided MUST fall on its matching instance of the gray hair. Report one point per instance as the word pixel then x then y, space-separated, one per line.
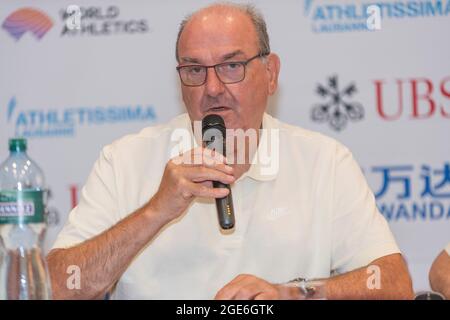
pixel 254 14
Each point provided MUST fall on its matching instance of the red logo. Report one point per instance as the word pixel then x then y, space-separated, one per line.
pixel 420 98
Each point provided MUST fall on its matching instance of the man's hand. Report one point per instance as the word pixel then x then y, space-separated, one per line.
pixel 248 287
pixel 395 283
pixel 104 258
pixel 189 176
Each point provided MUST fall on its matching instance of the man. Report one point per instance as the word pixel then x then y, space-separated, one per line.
pixel 146 225
pixel 440 273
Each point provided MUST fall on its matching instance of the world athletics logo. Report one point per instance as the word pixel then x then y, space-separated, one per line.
pixel 27 19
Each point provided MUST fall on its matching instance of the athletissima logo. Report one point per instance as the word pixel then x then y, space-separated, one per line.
pixel 45 122
pixel 327 16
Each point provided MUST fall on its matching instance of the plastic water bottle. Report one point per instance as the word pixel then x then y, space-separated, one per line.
pixel 23 271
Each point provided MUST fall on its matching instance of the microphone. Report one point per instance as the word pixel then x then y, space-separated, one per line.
pixel 214 138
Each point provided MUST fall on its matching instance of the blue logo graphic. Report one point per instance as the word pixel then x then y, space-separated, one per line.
pixel 328 16
pixel 11 107
pixel 307 6
pixel 53 122
pixel 406 195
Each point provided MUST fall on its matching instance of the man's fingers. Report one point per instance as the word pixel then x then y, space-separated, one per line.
pixel 200 174
pixel 227 292
pixel 222 167
pixel 265 296
pixel 231 288
pixel 200 190
pixel 211 154
pixel 249 292
pixel 252 291
pixel 201 156
pixel 246 287
pixel 206 184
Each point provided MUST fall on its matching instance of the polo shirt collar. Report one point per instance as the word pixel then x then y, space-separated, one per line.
pixel 257 170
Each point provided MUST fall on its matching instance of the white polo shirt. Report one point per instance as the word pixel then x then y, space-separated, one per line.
pixel 314 215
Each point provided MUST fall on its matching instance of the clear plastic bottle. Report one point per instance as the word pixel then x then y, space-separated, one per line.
pixel 23 271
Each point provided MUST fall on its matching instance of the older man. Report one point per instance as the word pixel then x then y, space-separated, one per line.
pixel 146 225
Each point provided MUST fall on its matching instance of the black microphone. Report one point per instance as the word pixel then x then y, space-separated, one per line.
pixel 214 137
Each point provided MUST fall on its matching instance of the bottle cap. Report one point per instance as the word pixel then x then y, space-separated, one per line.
pixel 17 144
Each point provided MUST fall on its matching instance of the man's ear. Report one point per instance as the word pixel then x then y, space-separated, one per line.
pixel 273 68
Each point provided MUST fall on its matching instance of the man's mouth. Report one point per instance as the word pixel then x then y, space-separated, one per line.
pixel 218 109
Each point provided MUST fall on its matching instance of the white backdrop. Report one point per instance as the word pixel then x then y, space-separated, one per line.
pixel 72 93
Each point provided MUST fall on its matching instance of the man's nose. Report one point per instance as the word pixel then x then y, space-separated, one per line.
pixel 213 85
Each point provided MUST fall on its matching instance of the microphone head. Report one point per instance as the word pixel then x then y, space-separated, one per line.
pixel 213 121
pixel 214 132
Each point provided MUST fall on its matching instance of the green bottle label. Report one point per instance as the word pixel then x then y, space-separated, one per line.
pixel 21 207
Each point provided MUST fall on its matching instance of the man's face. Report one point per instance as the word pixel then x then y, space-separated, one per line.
pixel 222 35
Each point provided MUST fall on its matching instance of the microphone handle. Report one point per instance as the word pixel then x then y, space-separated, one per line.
pixel 225 209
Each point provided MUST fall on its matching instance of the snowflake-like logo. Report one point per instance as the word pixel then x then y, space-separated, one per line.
pixel 337 110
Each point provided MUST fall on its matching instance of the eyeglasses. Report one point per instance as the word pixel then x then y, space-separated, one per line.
pixel 227 72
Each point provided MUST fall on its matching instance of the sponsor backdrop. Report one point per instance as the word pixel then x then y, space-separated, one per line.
pixel 382 89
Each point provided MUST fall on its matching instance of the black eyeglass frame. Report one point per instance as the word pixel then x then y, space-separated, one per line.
pixel 243 63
